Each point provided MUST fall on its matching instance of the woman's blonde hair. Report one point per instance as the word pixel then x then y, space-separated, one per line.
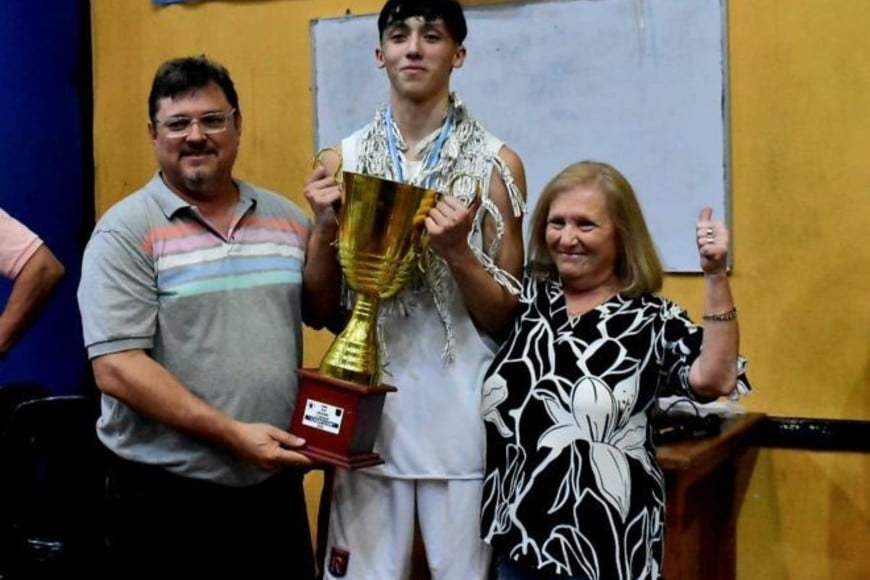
pixel 638 267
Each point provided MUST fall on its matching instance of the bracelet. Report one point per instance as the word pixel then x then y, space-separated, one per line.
pixel 730 315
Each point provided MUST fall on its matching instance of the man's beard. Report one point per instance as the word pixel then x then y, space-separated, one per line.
pixel 198 180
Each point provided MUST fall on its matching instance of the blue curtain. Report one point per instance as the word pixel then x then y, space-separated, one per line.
pixel 46 164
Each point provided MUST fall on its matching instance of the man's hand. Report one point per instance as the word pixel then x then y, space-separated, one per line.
pixel 449 224
pixel 269 447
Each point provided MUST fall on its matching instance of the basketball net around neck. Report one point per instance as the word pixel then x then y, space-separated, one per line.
pixel 457 147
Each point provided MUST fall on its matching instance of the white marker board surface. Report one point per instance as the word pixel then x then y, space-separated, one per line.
pixel 639 84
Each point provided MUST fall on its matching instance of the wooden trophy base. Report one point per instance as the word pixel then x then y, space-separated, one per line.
pixel 338 419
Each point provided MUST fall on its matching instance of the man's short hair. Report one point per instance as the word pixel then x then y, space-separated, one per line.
pixel 450 11
pixel 183 76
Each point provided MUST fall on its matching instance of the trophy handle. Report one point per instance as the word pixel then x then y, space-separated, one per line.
pixel 323 151
pixel 338 176
pixel 452 184
pixel 423 261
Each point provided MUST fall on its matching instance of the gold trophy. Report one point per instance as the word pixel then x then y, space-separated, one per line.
pixel 381 236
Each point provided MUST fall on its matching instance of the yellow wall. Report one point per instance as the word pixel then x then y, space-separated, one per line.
pixel 800 88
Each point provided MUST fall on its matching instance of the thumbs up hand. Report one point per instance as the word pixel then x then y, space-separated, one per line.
pixel 712 238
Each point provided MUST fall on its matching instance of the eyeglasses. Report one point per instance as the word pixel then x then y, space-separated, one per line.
pixel 210 123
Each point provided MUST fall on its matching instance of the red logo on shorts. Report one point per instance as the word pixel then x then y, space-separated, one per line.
pixel 338 559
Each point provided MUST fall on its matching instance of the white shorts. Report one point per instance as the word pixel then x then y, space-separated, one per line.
pixel 371 528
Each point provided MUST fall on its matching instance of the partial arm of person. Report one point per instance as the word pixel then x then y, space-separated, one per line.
pixel 714 372
pixel 151 390
pixel 30 291
pixel 321 277
pixel 490 305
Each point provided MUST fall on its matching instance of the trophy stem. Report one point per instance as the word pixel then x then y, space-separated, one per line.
pixel 354 354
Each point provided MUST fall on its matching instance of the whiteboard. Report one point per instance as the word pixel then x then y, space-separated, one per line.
pixel 639 84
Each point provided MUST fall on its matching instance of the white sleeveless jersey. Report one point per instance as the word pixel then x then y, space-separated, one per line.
pixel 431 426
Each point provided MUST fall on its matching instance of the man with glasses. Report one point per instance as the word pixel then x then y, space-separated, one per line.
pixel 192 299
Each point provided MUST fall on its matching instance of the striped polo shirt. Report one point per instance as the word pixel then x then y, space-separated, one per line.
pixel 221 312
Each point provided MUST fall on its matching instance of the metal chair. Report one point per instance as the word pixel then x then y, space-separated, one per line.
pixel 53 489
pixel 13 394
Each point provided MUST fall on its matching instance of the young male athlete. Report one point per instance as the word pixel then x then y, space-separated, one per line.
pixel 440 333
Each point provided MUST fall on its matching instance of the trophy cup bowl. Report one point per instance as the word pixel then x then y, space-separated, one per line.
pixel 381 236
pixel 379 243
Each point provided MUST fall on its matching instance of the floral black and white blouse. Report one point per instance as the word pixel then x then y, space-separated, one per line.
pixel 572 484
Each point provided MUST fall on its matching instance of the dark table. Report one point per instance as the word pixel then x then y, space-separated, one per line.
pixel 706 479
